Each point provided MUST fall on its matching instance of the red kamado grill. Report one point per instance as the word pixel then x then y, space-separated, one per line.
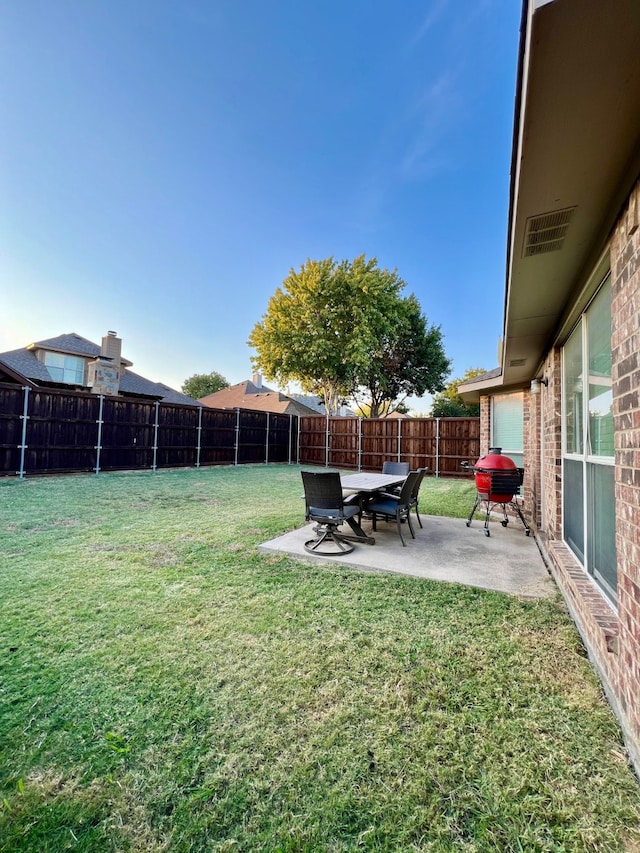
pixel 498 479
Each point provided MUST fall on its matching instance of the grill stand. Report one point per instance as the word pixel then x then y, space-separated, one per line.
pixel 503 485
pixel 490 505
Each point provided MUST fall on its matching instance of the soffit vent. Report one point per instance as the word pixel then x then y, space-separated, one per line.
pixel 517 362
pixel 546 233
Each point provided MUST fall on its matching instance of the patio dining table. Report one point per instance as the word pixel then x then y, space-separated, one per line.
pixel 369 483
pixel 363 484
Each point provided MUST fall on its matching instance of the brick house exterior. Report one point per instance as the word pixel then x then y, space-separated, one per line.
pixel 576 185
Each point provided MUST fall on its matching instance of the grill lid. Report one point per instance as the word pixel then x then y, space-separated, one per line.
pixel 494 461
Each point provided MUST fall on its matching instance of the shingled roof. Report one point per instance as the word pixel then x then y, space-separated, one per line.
pixel 249 395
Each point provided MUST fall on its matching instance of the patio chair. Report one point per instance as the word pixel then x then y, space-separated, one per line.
pixel 389 467
pixel 325 505
pixel 395 506
pixel 416 490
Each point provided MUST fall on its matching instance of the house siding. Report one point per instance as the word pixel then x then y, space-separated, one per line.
pixel 611 635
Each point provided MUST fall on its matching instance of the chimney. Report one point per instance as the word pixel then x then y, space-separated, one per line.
pixel 257 380
pixel 103 374
pixel 112 347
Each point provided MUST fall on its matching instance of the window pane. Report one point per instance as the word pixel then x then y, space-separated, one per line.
pixel 600 394
pixel 507 426
pixel 589 518
pixel 573 507
pixel 572 386
pixel 54 362
pixel 73 370
pixel 602 525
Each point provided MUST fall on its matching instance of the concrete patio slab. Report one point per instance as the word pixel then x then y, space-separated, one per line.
pixel 445 549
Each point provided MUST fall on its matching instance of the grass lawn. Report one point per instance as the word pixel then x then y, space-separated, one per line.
pixel 164 687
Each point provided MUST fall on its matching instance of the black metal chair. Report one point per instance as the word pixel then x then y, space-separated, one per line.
pixel 395 506
pixel 416 491
pixel 389 467
pixel 325 505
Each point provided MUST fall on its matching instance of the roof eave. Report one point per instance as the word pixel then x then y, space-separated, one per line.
pixel 16 375
pixel 576 147
pixel 472 391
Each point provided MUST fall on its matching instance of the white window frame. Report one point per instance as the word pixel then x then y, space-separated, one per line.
pixel 584 458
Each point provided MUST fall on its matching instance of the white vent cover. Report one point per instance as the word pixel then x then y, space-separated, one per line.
pixel 546 233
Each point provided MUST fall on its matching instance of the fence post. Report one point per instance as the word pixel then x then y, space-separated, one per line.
pixel 399 437
pixel 290 431
pixel 437 447
pixel 266 442
pixel 235 457
pixel 98 447
pixel 326 443
pixel 199 435
pixel 24 417
pixel 298 443
pixel 155 438
pixel 360 444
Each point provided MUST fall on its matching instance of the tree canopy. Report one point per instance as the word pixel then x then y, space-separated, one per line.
pixel 363 410
pixel 408 358
pixel 343 329
pixel 449 403
pixel 201 384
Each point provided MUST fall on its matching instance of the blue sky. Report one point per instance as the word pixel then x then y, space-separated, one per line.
pixel 163 165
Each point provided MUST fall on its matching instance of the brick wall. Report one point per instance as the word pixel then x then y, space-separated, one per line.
pixel 551 453
pixel 485 425
pixel 532 404
pixel 531 452
pixel 625 311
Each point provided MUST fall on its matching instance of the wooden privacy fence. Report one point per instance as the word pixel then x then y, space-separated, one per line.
pixel 47 431
pixel 52 431
pixel 440 444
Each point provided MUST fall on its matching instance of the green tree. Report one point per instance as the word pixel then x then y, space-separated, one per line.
pixel 407 359
pixel 449 403
pixel 364 410
pixel 343 329
pixel 201 384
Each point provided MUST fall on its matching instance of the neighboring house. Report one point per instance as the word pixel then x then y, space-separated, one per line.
pixel 252 394
pixel 568 388
pixel 319 408
pixel 72 362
